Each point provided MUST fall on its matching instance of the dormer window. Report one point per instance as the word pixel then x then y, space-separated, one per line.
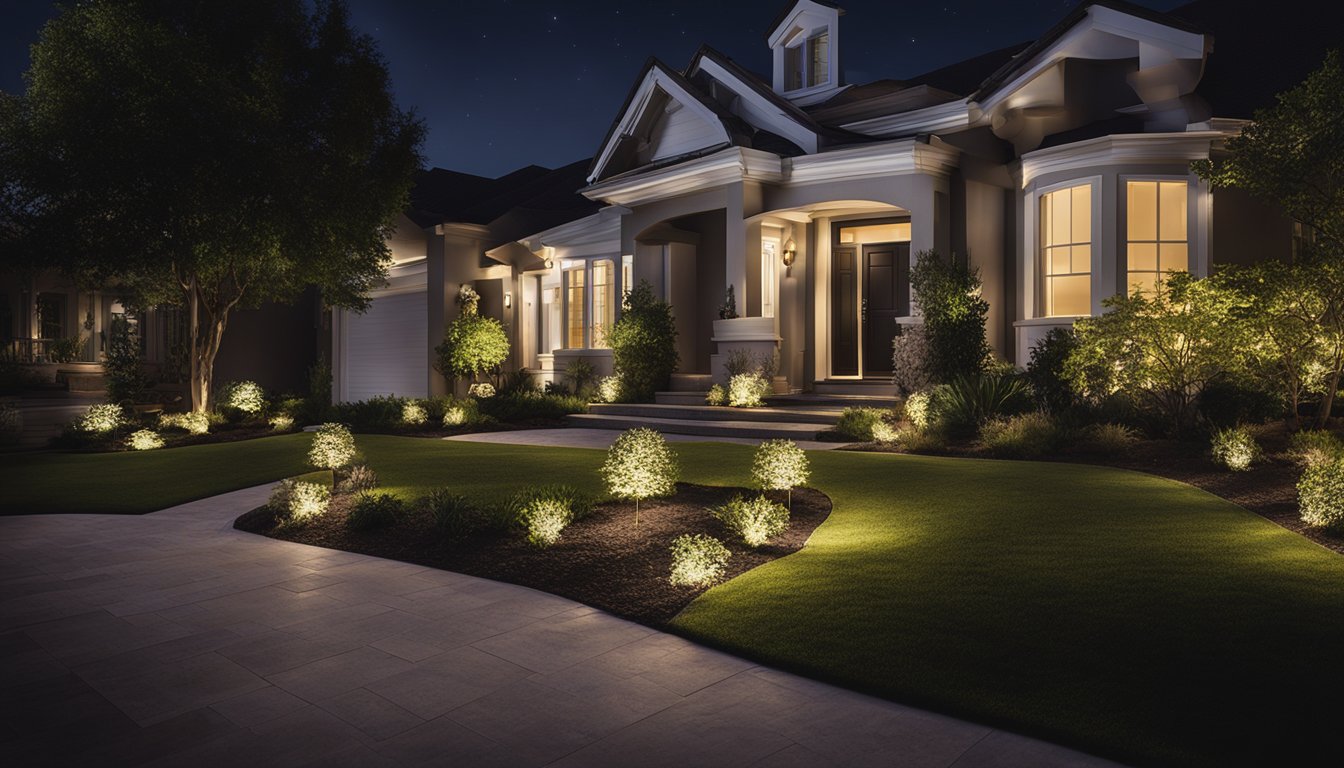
pixel 807 64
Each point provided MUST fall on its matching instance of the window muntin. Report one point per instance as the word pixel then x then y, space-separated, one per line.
pixel 1157 232
pixel 604 302
pixel 575 301
pixel 1066 251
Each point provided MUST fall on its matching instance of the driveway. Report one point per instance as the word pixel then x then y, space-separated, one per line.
pixel 171 639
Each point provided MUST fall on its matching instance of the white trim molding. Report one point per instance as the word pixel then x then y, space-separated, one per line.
pixel 890 158
pixel 723 167
pixel 1120 149
pixel 939 118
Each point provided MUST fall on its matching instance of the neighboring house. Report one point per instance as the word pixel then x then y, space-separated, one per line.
pixel 1060 169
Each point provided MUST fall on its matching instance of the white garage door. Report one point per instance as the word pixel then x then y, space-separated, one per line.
pixel 387 348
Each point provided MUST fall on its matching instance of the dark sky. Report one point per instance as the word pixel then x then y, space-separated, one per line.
pixel 505 83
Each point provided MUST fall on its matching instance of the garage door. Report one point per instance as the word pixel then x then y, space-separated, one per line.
pixel 387 348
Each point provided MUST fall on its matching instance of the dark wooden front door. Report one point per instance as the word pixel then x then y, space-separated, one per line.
pixel 886 273
pixel 844 311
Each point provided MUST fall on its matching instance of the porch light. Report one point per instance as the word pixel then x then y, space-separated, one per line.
pixel 790 252
pixel 508 299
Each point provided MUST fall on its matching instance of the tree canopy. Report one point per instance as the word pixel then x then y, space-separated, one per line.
pixel 207 155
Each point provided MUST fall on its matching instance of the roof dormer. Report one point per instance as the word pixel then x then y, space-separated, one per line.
pixel 805 43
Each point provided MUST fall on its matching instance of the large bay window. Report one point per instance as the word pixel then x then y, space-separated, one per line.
pixel 1156 240
pixel 590 302
pixel 1066 251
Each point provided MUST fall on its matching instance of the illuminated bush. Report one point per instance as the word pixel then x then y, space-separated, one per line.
pixel 374 510
pixel 779 465
pixel 1235 449
pixel 282 422
pixel 885 432
pixel 413 413
pixel 1024 436
pixel 459 412
pixel 333 447
pixel 1108 439
pixel 472 344
pixel 245 396
pixel 918 409
pixel 192 422
pixel 482 390
pixel 910 360
pixel 609 389
pixel 101 419
pixel 639 466
pixel 857 423
pixel 1315 446
pixel 543 519
pixel 755 521
pixel 698 560
pixel 1320 495
pixel 144 440
pixel 747 390
pixel 716 395
pixel 298 502
pixel 361 478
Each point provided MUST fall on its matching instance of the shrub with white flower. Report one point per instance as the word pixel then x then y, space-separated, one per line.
pixel 755 521
pixel 639 466
pixel 454 415
pixel 1235 448
pixel 282 422
pixel 307 501
pixel 747 390
pixel 698 560
pixel 101 419
pixel 779 465
pixel 543 519
pixel 245 396
pixel 333 447
pixel 716 395
pixel 144 440
pixel 191 422
pixel 885 432
pixel 609 389
pixel 919 410
pixel 482 390
pixel 413 413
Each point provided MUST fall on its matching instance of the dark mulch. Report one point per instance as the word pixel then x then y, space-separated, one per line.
pixel 602 560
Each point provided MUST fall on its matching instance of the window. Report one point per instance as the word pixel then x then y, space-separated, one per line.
pixel 604 301
pixel 51 315
pixel 1156 240
pixel 1066 251
pixel 807 64
pixel 793 68
pixel 574 306
pixel 769 277
pixel 818 48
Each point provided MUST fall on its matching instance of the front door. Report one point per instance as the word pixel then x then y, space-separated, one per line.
pixel 844 311
pixel 886 272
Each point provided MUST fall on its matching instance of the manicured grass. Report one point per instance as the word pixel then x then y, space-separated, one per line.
pixel 1114 611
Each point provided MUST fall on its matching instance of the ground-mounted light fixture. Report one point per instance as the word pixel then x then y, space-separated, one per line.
pixel 790 253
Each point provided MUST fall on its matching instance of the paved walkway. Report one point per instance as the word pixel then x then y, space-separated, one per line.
pixel 171 639
pixel 583 437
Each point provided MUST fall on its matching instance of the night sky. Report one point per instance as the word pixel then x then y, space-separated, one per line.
pixel 505 83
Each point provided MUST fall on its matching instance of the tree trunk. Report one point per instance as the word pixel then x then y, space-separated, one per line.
pixel 207 330
pixel 1327 400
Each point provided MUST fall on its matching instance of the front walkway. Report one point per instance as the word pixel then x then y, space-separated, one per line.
pixel 171 639
pixel 584 437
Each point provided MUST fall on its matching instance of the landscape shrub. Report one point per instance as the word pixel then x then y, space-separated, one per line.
pixel 123 368
pixel 101 419
pixel 543 519
pixel 11 423
pixel 382 412
pixel 717 395
pixel 639 466
pixel 530 406
pixel 748 390
pixel 413 413
pixel 360 478
pixel 885 433
pixel 858 422
pixel 1315 446
pixel 1108 439
pixel 581 377
pixel 750 377
pixel 1045 370
pixel 643 344
pixel 374 510
pixel 144 440
pixel 919 410
pixel 192 422
pixel 459 412
pixel 969 401
pixel 296 501
pixel 697 560
pixel 609 389
pixel 1320 494
pixel 65 350
pixel 453 515
pixel 1023 436
pixel 333 447
pixel 481 391
pixel 1226 402
pixel 520 380
pixel 472 344
pixel 947 294
pixel 910 360
pixel 755 521
pixel 246 397
pixel 779 465
pixel 282 422
pixel 922 441
pixel 1235 448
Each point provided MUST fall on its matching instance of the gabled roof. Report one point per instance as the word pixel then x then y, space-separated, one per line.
pixel 787 9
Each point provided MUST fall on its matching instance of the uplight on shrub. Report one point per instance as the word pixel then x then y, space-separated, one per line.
pixel 779 465
pixel 413 413
pixel 543 519
pixel 609 389
pixel 191 422
pixel 1235 448
pixel 755 521
pixel 333 447
pixel 747 390
pixel 361 478
pixel 101 419
pixel 858 423
pixel 1023 436
pixel 918 410
pixel 282 422
pixel 698 560
pixel 299 502
pixel 885 432
pixel 144 440
pixel 245 396
pixel 716 395
pixel 639 466
pixel 482 390
pixel 1315 446
pixel 1320 494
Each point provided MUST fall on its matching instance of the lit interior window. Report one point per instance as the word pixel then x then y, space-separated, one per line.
pixel 1156 240
pixel 574 306
pixel 1066 251
pixel 604 301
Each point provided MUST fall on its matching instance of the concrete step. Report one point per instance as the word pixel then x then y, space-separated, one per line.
pixel 817 401
pixel 872 387
pixel 680 398
pixel 690 382
pixel 822 417
pixel 757 430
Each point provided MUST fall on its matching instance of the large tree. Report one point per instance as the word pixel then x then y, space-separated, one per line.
pixel 207 155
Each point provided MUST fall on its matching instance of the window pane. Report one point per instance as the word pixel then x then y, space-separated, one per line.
pixel 604 301
pixel 1059 218
pixel 1173 210
pixel 1071 295
pixel 574 297
pixel 1057 261
pixel 1082 258
pixel 1141 210
pixel 818 48
pixel 1174 258
pixel 793 68
pixel 1082 215
pixel 1142 257
pixel 1142 281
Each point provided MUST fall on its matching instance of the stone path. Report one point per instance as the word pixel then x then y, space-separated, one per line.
pixel 171 639
pixel 583 437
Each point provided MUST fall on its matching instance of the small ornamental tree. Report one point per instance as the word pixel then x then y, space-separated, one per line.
pixel 639 466
pixel 947 294
pixel 644 344
pixel 333 447
pixel 779 465
pixel 472 344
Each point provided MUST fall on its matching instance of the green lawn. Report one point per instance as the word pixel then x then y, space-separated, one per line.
pixel 1114 611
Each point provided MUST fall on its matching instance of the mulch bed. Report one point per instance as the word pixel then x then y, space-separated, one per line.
pixel 602 560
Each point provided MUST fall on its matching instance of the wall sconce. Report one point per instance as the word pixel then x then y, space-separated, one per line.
pixel 508 299
pixel 790 253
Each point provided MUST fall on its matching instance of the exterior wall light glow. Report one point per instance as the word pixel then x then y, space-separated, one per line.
pixel 508 299
pixel 790 253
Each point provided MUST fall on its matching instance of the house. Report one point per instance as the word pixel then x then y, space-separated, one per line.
pixel 1059 168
